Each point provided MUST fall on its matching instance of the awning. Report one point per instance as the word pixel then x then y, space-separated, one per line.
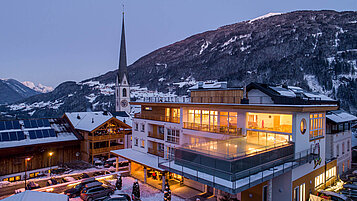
pixel 145 159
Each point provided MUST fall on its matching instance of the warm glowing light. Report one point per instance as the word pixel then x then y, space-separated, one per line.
pixel 51 153
pixel 27 159
pixel 49 190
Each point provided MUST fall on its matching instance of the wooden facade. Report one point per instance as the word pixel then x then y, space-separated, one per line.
pixel 217 96
pixel 12 160
pixel 107 137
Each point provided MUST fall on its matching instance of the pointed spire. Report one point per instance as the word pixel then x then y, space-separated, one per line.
pixel 122 55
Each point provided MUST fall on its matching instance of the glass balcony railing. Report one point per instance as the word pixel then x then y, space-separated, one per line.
pixel 155 152
pixel 159 136
pixel 158 118
pixel 213 129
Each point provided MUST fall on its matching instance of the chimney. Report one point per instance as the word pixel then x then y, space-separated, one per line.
pixel 92 120
pixel 200 85
pixel 245 99
pixel 78 117
pixel 105 112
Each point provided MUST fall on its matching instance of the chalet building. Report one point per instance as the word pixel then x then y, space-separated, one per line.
pixel 35 145
pixel 272 147
pixel 101 133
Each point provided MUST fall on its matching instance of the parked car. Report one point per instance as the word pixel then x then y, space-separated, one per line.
pixel 90 194
pixel 332 196
pixel 118 197
pixel 32 185
pixel 76 191
pixel 98 163
pixel 83 176
pixel 51 182
pixel 100 173
pixel 67 179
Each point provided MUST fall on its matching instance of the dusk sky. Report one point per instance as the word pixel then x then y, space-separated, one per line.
pixel 48 42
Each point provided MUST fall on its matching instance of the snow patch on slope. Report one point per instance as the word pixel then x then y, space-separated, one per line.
pixel 264 16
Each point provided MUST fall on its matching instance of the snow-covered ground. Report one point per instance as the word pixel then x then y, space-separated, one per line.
pixel 147 192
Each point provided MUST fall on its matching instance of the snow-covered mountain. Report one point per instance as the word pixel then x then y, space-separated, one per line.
pixel 12 90
pixel 37 87
pixel 315 50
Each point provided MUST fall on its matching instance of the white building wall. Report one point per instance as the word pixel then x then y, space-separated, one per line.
pixel 256 96
pixel 344 155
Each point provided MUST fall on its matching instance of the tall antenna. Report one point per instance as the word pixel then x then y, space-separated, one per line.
pixel 123 7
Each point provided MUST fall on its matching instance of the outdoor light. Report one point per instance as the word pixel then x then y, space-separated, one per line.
pixel 51 153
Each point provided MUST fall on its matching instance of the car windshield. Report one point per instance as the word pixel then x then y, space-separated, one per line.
pixel 78 186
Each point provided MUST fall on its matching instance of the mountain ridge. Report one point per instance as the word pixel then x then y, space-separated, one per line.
pixel 315 50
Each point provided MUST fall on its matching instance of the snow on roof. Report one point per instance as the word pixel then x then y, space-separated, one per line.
pixel 126 120
pixel 36 195
pixel 283 91
pixel 87 121
pixel 62 130
pixel 340 116
pixel 209 85
pixel 139 157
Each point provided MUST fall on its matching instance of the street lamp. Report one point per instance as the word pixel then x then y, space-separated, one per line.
pixel 51 153
pixel 26 160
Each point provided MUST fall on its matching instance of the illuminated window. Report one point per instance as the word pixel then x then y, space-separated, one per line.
pixel 5 179
pixel 32 175
pixel 319 180
pixel 194 140
pixel 330 173
pixel 18 178
pixel 317 122
pixel 142 144
pixel 303 126
pixel 148 108
pixel 12 179
pixel 270 122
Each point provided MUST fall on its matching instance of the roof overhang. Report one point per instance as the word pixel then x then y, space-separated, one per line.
pixel 267 107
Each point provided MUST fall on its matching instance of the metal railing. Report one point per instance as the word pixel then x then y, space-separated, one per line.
pixel 159 136
pixel 255 175
pixel 213 128
pixel 106 137
pixel 106 149
pixel 235 155
pixel 155 152
pixel 216 99
pixel 158 118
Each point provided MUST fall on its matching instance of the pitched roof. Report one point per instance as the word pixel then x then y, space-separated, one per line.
pixel 36 195
pixel 340 116
pixel 56 130
pixel 88 121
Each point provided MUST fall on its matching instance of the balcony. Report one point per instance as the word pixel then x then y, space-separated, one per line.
pixel 106 149
pixel 213 129
pixel 155 152
pixel 106 137
pixel 158 118
pixel 159 136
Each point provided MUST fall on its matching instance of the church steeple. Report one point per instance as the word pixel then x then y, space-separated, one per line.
pixel 122 56
pixel 122 87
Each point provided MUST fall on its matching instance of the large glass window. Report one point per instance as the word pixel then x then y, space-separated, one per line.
pixel 317 122
pixel 173 136
pixel 319 180
pixel 270 122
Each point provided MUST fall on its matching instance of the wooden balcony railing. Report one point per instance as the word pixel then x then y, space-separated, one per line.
pixel 155 152
pixel 158 118
pixel 106 149
pixel 213 129
pixel 156 135
pixel 106 137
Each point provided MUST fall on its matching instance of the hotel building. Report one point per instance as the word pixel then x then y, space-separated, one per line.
pixel 272 147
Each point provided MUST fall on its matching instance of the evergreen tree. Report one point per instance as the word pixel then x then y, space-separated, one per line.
pixel 167 191
pixel 136 191
pixel 119 183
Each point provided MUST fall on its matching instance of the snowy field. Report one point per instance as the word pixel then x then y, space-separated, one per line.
pixel 147 192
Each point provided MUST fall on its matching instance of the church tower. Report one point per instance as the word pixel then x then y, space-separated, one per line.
pixel 122 89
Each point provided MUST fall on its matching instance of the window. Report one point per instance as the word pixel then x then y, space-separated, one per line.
pixel 160 147
pixel 136 142
pixel 330 173
pixel 303 126
pixel 173 136
pixel 142 127
pixel 161 130
pixel 170 152
pixel 337 150
pixel 265 193
pixel 296 194
pixel 302 192
pixel 142 145
pixel 124 92
pixel 317 122
pixel 136 126
pixel 319 180
pixel 348 145
pixel 343 148
pixel 194 140
pixel 270 122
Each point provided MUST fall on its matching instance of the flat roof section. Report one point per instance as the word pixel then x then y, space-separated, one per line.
pixel 145 159
pixel 267 107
